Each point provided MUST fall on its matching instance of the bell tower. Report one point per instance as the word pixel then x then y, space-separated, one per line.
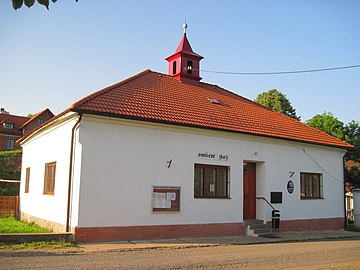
pixel 184 64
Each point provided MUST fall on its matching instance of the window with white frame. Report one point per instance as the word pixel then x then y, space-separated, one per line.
pixel 8 125
pixel 10 144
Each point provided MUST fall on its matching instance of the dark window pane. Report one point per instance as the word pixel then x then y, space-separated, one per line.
pixel 198 182
pixel 210 181
pixel 221 182
pixel 311 185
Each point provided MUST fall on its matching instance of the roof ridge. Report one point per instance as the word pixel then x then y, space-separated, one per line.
pixel 106 89
pixel 148 97
pixel 34 116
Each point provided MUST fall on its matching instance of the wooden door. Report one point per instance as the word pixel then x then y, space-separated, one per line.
pixel 249 185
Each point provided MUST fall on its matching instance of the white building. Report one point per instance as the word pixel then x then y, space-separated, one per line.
pixel 163 156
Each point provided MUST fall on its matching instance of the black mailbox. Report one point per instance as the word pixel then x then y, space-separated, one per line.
pixel 275 219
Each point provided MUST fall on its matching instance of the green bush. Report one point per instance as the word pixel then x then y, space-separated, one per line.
pixel 10 164
pixel 9 191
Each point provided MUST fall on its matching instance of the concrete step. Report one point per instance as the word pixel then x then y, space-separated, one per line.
pixel 256 227
pixel 253 221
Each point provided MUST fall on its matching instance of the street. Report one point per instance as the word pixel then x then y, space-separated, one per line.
pixel 304 255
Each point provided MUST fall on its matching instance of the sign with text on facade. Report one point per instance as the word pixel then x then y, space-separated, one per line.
pixel 165 199
pixel 213 156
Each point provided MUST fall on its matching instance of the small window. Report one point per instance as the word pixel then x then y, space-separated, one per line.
pixel 214 100
pixel 8 125
pixel 39 122
pixel 174 67
pixel 311 186
pixel 27 180
pixel 10 144
pixel 249 167
pixel 49 178
pixel 189 67
pixel 211 181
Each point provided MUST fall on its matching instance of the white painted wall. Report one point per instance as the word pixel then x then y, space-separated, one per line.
pixel 121 161
pixel 52 144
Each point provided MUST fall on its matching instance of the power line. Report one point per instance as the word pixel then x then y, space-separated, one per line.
pixel 281 72
pixel 322 168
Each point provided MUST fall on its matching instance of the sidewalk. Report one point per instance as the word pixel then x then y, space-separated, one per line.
pixel 281 237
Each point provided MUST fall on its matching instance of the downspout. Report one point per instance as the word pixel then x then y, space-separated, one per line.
pixel 71 172
pixel 344 173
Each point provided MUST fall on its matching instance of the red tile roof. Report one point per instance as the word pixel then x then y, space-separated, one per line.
pixel 156 97
pixel 36 116
pixel 350 163
pixel 17 121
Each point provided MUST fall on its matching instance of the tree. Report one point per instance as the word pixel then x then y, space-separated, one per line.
pixel 29 3
pixel 352 136
pixel 352 176
pixel 350 133
pixel 277 101
pixel 329 124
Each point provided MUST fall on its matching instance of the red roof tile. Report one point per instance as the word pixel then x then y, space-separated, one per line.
pixel 156 97
pixel 36 116
pixel 17 121
pixel 350 163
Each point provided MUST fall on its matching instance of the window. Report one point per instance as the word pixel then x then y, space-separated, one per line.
pixel 311 186
pixel 189 67
pixel 27 180
pixel 8 125
pixel 211 181
pixel 214 100
pixel 174 67
pixel 49 178
pixel 10 144
pixel 39 122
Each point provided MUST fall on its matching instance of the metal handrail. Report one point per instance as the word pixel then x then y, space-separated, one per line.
pixel 262 198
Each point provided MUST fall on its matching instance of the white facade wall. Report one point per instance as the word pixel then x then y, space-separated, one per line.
pixel 52 144
pixel 121 160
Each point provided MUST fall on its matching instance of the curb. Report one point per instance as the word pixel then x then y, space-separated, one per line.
pixel 17 238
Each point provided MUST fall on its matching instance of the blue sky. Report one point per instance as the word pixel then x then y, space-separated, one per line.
pixel 54 58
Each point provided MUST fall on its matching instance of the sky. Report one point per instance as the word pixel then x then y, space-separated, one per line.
pixel 52 58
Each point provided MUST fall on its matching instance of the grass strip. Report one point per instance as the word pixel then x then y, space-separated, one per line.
pixel 12 225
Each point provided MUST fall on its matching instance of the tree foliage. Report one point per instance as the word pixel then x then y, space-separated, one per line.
pixel 352 176
pixel 353 136
pixel 350 133
pixel 10 164
pixel 277 101
pixel 29 3
pixel 329 124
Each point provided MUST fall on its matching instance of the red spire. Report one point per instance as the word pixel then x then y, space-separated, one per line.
pixel 184 45
pixel 184 64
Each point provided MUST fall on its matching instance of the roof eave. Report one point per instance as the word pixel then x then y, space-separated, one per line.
pixel 136 118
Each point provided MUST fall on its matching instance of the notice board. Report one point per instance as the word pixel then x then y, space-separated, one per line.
pixel 165 199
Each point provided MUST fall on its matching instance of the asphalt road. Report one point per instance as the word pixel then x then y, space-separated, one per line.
pixel 306 255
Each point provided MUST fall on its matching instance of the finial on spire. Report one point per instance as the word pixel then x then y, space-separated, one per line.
pixel 185 26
